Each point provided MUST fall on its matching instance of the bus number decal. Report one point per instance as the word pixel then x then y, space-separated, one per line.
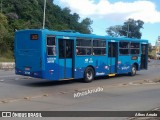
pixel 51 60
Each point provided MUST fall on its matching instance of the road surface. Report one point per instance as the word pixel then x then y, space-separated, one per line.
pixel 121 93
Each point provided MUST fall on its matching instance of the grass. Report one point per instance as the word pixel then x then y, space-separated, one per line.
pixel 4 59
pixel 7 57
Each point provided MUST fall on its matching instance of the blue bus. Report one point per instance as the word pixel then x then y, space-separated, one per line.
pixel 64 55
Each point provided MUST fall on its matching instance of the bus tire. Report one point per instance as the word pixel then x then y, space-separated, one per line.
pixel 133 70
pixel 89 75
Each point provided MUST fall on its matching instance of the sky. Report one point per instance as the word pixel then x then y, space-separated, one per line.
pixel 106 13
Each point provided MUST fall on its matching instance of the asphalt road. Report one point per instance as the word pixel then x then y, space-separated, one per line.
pixel 121 93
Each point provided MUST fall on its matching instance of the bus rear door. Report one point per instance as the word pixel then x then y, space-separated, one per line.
pixel 66 51
pixel 112 56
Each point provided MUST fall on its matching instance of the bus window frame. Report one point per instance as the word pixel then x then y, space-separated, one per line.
pixel 135 48
pixel 49 46
pixel 100 47
pixel 121 48
pixel 91 47
pixel 84 47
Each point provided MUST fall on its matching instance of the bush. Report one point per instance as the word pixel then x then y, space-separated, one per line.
pixel 152 56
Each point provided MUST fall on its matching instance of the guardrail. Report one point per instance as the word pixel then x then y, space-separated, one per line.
pixel 7 65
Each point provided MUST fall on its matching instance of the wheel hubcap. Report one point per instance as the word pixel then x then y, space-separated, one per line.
pixel 133 70
pixel 89 75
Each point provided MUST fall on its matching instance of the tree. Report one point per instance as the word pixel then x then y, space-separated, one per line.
pixel 85 26
pixel 130 28
pixel 4 32
pixel 114 31
pixel 150 47
pixel 28 14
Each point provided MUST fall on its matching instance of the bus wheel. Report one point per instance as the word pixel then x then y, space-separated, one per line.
pixel 133 70
pixel 88 75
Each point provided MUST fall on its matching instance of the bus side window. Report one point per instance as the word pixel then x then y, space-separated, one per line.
pixel 143 49
pixel 69 50
pixel 124 47
pixel 88 51
pixel 51 48
pixel 99 47
pixel 61 49
pixel 51 51
pixel 77 51
pixel 135 48
pixel 84 46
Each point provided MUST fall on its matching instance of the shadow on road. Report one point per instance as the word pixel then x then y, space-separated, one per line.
pixel 51 83
pixel 32 82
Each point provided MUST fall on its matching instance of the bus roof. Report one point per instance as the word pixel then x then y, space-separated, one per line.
pixel 71 33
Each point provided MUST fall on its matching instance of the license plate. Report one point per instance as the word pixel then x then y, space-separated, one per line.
pixel 27 73
pixel 27 68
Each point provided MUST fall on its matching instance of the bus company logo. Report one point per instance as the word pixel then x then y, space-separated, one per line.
pixel 90 60
pixel 6 114
pixel 125 68
pixel 86 60
pixel 101 73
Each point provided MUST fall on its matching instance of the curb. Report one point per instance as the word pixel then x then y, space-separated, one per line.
pixel 7 65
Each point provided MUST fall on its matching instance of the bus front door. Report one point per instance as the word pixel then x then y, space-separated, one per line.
pixel 112 57
pixel 144 56
pixel 66 51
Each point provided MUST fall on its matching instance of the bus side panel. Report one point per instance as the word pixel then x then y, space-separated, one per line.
pixel 69 68
pixel 124 64
pixel 80 66
pixel 50 63
pixel 99 63
pixel 61 69
pixel 112 65
pixel 51 68
pixel 136 59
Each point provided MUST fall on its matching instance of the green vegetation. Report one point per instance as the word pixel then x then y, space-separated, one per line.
pixel 4 59
pixel 7 57
pixel 28 14
pixel 152 54
pixel 151 51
